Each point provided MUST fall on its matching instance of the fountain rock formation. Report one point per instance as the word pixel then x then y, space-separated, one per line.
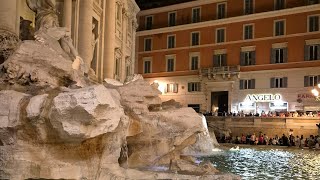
pixel 50 130
pixel 56 123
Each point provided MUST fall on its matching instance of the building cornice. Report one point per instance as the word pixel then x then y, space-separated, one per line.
pixel 178 6
pixel 219 22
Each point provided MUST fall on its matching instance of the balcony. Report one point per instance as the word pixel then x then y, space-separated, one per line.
pixel 224 71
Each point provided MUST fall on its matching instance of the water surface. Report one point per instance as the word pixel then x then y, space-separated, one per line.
pixel 269 163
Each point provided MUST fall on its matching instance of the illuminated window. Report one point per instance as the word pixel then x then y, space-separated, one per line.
pixel 279 82
pixel 247 84
pixel 172 88
pixel 194 87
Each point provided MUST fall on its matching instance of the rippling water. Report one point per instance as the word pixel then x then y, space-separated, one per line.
pixel 269 164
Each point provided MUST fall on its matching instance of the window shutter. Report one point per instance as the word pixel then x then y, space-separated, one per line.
pixel 285 55
pixel 253 84
pixel 273 56
pixel 285 82
pixel 242 62
pixel 199 85
pixel 241 84
pixel 272 82
pixel 318 52
pixel 215 61
pixel 189 87
pixel 318 78
pixel 306 81
pixel 175 88
pixel 166 88
pixel 306 53
pixel 224 60
pixel 316 23
pixel 253 58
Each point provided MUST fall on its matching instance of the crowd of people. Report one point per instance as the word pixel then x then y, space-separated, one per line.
pixel 262 139
pixel 264 114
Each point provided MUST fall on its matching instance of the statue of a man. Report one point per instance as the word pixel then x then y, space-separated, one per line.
pixel 47 24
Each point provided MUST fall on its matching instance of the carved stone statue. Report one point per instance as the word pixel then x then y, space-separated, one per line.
pixel 47 22
pixel 94 41
pixel 48 31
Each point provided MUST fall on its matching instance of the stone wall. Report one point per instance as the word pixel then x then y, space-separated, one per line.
pixel 269 126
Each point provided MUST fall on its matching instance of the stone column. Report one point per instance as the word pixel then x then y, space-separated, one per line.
pixel 134 63
pixel 85 30
pixel 109 51
pixel 9 16
pixel 67 14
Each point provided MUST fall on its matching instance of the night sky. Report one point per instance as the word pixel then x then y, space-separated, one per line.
pixel 148 4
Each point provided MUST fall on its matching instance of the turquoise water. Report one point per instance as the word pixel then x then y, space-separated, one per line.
pixel 269 163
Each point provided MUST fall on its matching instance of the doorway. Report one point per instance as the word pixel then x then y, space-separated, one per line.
pixel 219 100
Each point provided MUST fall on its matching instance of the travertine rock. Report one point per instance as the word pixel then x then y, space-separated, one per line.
pixel 35 105
pixel 95 132
pixel 10 108
pixel 85 113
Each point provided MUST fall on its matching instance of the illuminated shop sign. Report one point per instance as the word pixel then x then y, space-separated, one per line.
pixel 263 97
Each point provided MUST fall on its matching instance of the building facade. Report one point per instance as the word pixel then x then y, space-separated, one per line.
pixel 233 55
pixel 103 31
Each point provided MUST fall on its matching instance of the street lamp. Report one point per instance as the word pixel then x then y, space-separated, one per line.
pixel 315 92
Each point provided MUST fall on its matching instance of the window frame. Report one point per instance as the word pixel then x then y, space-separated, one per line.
pixel 308 22
pixel 145 44
pixel 147 59
pixel 275 5
pixel 173 57
pixel 191 39
pixel 172 86
pixel 278 55
pixel 146 22
pixel 275 27
pixel 195 87
pixel 225 10
pixel 224 35
pixel 175 20
pixel 244 31
pixel 168 42
pixel 191 56
pixel 247 84
pixel 244 7
pixel 192 15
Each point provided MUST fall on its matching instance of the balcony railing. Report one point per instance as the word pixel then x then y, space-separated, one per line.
pixel 224 71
